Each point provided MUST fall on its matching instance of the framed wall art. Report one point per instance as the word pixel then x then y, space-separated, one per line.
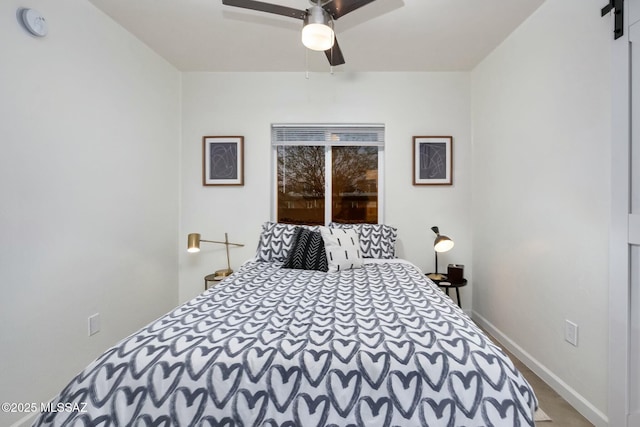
pixel 222 160
pixel 432 160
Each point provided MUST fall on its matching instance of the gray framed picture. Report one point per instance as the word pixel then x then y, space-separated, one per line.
pixel 432 160
pixel 222 160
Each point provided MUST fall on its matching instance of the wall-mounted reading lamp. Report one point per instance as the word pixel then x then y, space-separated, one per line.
pixel 193 245
pixel 442 243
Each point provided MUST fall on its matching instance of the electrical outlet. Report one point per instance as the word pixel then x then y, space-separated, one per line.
pixel 94 324
pixel 571 332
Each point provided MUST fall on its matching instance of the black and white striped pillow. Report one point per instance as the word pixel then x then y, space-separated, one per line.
pixel 307 252
pixel 342 247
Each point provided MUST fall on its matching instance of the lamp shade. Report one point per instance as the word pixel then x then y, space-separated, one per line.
pixel 442 243
pixel 193 242
pixel 316 33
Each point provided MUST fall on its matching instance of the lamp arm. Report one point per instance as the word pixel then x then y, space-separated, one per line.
pixel 226 244
pixel 222 243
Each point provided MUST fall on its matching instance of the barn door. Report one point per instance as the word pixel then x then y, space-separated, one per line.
pixel 634 232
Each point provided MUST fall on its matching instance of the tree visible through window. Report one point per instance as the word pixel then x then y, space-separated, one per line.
pixel 354 189
pixel 301 184
pixel 336 180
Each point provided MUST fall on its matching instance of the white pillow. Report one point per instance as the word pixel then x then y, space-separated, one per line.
pixel 342 247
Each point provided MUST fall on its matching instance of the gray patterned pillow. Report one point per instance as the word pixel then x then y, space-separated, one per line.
pixel 307 252
pixel 276 240
pixel 376 240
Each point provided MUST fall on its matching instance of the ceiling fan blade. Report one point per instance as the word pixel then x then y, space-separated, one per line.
pixel 334 55
pixel 267 7
pixel 338 8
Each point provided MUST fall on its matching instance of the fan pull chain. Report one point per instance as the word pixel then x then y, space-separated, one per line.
pixel 331 63
pixel 306 63
pixel 332 46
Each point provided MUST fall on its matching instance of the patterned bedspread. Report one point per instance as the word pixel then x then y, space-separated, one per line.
pixel 374 346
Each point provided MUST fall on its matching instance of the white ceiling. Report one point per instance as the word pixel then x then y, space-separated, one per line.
pixel 386 35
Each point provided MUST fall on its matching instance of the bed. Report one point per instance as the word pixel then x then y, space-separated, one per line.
pixel 374 343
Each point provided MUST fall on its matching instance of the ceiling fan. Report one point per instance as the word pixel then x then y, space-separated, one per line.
pixel 317 31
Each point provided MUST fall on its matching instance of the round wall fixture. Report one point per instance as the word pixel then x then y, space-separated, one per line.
pixel 33 22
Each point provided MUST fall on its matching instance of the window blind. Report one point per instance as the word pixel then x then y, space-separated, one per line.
pixel 328 134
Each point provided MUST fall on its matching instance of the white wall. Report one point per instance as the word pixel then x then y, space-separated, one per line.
pixel 89 133
pixel 247 103
pixel 541 106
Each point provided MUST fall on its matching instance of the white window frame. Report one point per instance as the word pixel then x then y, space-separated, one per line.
pixel 328 143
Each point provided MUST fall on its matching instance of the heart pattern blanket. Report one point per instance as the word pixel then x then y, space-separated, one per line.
pixel 379 345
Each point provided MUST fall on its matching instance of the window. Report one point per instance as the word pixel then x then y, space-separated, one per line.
pixel 327 173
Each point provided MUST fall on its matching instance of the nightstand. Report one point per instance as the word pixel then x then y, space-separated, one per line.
pixel 447 284
pixel 212 280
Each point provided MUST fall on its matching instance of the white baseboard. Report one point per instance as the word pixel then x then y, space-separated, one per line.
pixel 575 399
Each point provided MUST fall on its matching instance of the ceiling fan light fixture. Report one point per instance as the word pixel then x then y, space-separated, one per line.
pixel 317 34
